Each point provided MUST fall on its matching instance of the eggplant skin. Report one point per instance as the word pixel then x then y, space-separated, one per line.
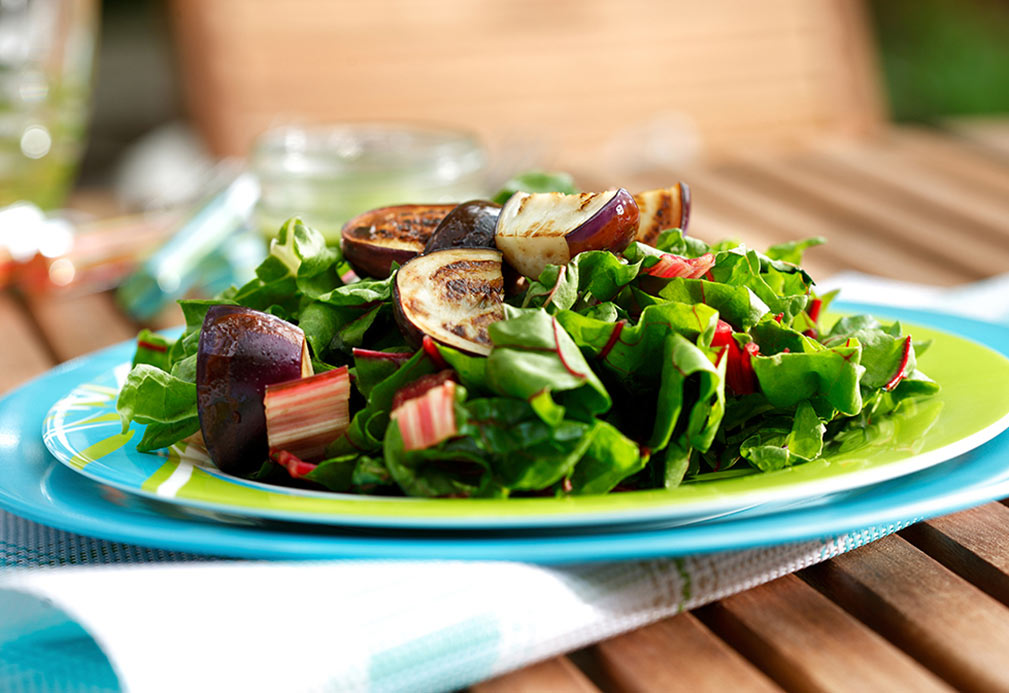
pixel 451 295
pixel 372 241
pixel 241 351
pixel 470 225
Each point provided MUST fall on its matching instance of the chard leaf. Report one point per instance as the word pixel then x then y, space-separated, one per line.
pixel 536 182
pixel 533 353
pixel 633 352
pixel 456 468
pixel 792 251
pixel 593 276
pixel 525 452
pixel 882 347
pixel 674 241
pixel 153 349
pixel 610 458
pixel 167 405
pixel 831 375
pixel 682 361
pixel 737 305
pixel 741 267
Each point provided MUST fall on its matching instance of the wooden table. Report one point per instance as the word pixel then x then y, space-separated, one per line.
pixel 925 609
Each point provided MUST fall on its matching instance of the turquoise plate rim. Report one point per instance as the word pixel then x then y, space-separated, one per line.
pixel 35 486
pixel 132 472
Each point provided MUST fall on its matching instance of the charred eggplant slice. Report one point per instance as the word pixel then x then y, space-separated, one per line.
pixel 451 295
pixel 539 229
pixel 661 209
pixel 374 240
pixel 242 351
pixel 470 225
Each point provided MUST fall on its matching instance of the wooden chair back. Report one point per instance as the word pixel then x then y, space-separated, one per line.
pixel 577 80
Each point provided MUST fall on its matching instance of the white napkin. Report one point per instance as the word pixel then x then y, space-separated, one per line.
pixel 359 625
pixel 378 625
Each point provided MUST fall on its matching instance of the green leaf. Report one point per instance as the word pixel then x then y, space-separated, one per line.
pixel 536 182
pixel 882 347
pixel 741 267
pixel 371 370
pixel 525 452
pixel 167 405
pixel 153 349
pixel 609 459
pixel 737 305
pixel 634 351
pixel 533 354
pixel 831 375
pixel 336 473
pixel 682 362
pixel 792 250
pixel 455 468
pixel 592 276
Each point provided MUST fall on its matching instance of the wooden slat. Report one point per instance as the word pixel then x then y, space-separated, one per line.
pixel 902 232
pixel 76 325
pixel 973 543
pixel 24 354
pixel 784 216
pixel 677 654
pixel 945 154
pixel 900 180
pixel 944 622
pixel 557 675
pixel 989 134
pixel 805 642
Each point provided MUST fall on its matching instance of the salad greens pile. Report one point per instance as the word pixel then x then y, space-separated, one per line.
pixel 601 375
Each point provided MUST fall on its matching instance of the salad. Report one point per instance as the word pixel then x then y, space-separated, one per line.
pixel 547 342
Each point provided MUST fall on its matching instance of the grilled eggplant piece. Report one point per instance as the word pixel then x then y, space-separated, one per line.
pixel 470 225
pixel 374 240
pixel 540 229
pixel 665 208
pixel 242 351
pixel 451 295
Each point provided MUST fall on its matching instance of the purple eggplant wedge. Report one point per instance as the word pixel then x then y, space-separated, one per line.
pixel 470 225
pixel 242 351
pixel 665 208
pixel 540 229
pixel 372 241
pixel 452 296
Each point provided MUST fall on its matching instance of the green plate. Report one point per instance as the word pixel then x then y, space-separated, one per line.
pixel 82 430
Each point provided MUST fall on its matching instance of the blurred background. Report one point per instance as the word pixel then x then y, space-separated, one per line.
pixel 154 133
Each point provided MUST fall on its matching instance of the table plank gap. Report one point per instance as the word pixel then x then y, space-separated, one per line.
pixel 803 641
pixel 972 543
pixel 77 325
pixel 25 352
pixel 557 675
pixel 789 221
pixel 899 232
pixel 675 654
pixel 938 618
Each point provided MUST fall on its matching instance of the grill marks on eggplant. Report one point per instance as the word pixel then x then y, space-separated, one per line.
pixel 374 240
pixel 453 296
pixel 666 208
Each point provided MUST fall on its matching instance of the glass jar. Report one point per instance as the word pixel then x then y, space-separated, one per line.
pixel 328 174
pixel 46 55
